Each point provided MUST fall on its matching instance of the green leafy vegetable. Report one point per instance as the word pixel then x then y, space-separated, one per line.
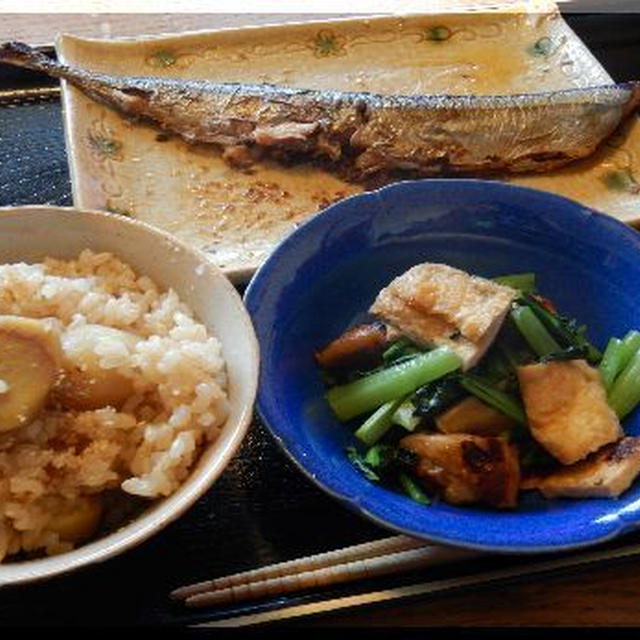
pixel 413 489
pixel 400 349
pixel 436 397
pixel 379 456
pixel 524 282
pixel 611 362
pixel 495 366
pixel 500 365
pixel 630 344
pixel 570 353
pixel 378 423
pixel 625 392
pixel 382 463
pixel 532 456
pixel 368 393
pixel 413 386
pixel 495 397
pixel 360 463
pixel 405 416
pixel 565 330
pixel 533 331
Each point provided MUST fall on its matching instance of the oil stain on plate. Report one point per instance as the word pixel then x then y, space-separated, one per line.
pixel 239 216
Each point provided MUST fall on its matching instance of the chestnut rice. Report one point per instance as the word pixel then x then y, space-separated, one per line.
pixel 108 387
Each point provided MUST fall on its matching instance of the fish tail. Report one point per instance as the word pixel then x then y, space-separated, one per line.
pixel 22 55
pixel 634 102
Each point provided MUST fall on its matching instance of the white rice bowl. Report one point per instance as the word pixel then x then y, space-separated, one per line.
pixel 191 366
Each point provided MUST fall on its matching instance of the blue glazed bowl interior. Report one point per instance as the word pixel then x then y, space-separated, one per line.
pixel 325 276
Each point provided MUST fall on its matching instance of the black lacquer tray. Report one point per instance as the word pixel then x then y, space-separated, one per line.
pixel 262 510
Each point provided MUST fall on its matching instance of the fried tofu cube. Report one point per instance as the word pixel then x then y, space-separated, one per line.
pixel 567 409
pixel 466 469
pixel 437 305
pixel 604 474
pixel 359 346
pixel 475 417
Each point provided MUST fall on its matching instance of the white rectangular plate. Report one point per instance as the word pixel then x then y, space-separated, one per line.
pixel 239 217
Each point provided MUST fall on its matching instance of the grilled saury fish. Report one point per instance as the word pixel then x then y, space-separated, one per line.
pixel 364 134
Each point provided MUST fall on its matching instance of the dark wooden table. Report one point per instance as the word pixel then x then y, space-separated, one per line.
pixel 262 509
pixel 602 597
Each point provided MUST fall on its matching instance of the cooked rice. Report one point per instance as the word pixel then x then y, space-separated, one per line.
pixel 146 448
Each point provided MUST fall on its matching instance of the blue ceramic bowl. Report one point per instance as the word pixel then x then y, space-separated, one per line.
pixel 326 274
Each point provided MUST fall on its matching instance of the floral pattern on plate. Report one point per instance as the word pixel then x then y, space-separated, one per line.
pixel 240 216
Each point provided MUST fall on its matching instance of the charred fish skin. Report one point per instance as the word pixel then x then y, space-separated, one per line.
pixel 370 133
pixel 224 114
pixel 486 134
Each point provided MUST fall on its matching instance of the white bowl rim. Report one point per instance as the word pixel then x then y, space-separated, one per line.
pixel 168 509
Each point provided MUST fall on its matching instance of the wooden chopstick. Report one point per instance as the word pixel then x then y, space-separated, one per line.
pixel 299 565
pixel 287 610
pixel 382 557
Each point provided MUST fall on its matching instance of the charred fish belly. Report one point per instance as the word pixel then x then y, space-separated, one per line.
pixel 366 133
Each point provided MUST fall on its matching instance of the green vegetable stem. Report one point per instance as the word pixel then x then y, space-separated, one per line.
pixel 630 344
pixel 625 392
pixel 378 423
pixel 366 394
pixel 491 395
pixel 533 331
pixel 611 362
pixel 412 489
pixel 525 282
pixel 563 329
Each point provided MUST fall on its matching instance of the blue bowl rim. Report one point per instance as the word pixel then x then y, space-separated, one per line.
pixel 570 208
